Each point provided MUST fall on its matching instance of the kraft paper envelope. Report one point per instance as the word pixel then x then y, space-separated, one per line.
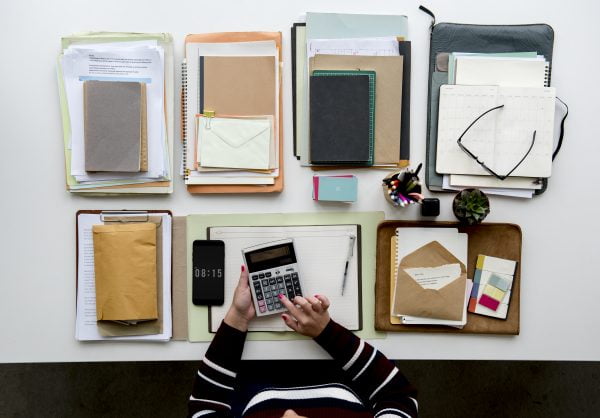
pixel 241 86
pixel 388 97
pixel 412 299
pixel 125 271
pixel 114 329
pixel 235 142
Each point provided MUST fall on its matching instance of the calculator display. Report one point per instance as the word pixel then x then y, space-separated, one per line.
pixel 270 257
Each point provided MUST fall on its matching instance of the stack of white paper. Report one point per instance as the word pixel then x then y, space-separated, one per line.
pixel 501 138
pixel 141 58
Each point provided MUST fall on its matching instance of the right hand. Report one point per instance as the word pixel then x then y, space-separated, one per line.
pixel 307 316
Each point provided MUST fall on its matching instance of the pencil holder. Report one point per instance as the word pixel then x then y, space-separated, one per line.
pixel 403 188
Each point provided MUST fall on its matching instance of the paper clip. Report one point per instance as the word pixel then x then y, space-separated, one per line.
pixel 208 114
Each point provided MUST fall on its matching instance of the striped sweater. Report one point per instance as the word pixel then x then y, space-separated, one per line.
pixel 373 387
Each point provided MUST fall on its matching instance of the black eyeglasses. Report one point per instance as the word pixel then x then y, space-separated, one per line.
pixel 481 163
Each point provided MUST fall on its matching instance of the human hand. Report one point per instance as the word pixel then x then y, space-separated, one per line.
pixel 308 316
pixel 241 310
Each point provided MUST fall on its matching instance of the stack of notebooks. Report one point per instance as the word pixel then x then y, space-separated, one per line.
pixel 517 83
pixel 118 299
pixel 117 117
pixel 351 90
pixel 429 284
pixel 231 106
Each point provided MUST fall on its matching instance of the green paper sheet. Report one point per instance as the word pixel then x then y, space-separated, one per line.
pixel 198 326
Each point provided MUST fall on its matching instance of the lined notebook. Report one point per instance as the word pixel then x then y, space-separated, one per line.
pixel 342 117
pixel 321 252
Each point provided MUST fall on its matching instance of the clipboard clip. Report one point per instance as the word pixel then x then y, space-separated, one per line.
pixel 135 215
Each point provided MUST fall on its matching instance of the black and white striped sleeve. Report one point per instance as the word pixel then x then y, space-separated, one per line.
pixel 370 374
pixel 214 383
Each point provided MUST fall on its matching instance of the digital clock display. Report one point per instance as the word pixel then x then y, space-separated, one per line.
pixel 208 271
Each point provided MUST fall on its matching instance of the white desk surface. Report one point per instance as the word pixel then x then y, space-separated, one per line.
pixel 561 261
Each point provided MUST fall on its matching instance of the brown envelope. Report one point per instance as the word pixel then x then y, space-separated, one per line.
pixel 412 299
pixel 114 329
pixel 125 271
pixel 388 97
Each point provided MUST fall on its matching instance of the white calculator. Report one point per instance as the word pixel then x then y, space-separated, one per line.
pixel 273 270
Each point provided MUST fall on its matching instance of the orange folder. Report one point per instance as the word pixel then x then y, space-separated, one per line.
pixel 244 37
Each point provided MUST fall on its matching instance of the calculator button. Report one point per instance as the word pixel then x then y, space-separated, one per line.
pixel 287 277
pixel 254 276
pixel 272 281
pixel 277 305
pixel 268 274
pixel 257 285
pixel 279 279
pixel 290 294
pixel 270 307
pixel 261 275
pixel 280 285
pixel 261 303
pixel 265 282
pixel 262 309
pixel 294 275
pixel 274 287
pixel 259 297
pixel 267 294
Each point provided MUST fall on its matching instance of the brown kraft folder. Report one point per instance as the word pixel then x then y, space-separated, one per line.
pixel 494 239
pixel 412 299
pixel 388 97
pixel 125 270
pixel 113 329
pixel 223 37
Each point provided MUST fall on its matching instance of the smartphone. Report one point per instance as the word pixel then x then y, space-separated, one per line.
pixel 208 275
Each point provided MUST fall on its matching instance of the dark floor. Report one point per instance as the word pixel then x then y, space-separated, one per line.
pixel 446 388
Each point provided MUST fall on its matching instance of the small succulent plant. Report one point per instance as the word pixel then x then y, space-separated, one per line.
pixel 471 206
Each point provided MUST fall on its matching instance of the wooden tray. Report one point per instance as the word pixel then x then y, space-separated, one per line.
pixel 493 239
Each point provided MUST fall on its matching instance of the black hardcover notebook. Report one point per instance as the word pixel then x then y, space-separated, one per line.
pixel 342 105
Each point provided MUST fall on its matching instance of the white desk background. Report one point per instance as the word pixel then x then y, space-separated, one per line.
pixel 560 291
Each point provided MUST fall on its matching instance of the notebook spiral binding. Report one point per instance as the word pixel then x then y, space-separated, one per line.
pixel 547 73
pixel 184 113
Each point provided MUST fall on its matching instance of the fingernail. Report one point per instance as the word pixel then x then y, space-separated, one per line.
pixel 280 296
pixel 316 296
pixel 284 317
pixel 243 267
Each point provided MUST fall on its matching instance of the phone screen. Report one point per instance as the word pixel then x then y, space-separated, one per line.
pixel 208 274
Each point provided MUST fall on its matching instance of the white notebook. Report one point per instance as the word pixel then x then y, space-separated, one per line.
pixel 321 252
pixel 502 137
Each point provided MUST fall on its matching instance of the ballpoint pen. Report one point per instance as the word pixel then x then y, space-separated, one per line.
pixel 348 258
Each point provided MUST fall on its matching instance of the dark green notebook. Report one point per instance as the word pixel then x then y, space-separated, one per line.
pixel 342 117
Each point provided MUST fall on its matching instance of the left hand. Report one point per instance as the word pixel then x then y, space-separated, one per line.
pixel 241 310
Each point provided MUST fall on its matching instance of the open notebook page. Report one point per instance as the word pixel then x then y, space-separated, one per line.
pixel 321 252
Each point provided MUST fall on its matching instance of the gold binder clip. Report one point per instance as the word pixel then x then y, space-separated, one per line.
pixel 208 114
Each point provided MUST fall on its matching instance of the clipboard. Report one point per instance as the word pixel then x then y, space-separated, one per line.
pixel 178 261
pixel 223 37
pixel 496 239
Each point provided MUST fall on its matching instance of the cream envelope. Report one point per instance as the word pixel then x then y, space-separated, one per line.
pixel 414 300
pixel 235 142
